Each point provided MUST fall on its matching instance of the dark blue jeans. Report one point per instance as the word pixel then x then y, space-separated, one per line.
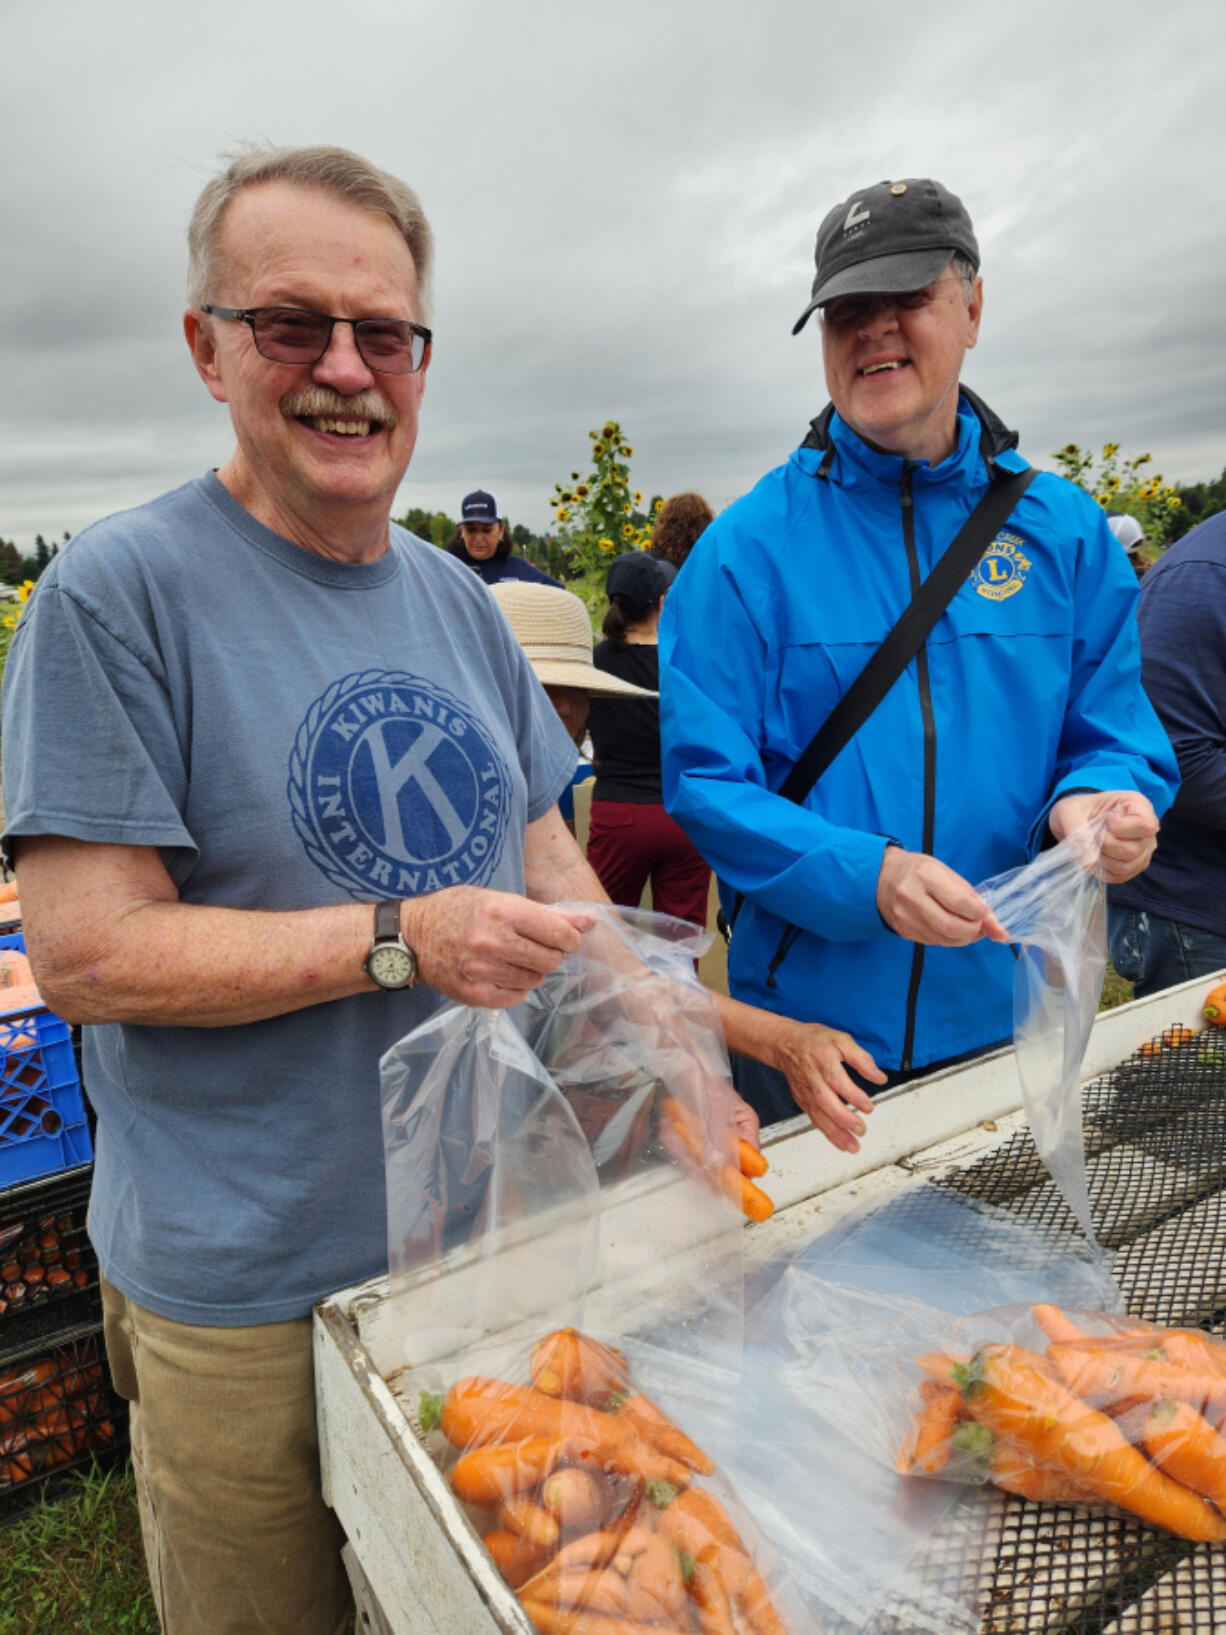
pixel 1155 953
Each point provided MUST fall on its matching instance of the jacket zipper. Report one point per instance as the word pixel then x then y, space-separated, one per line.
pixel 930 756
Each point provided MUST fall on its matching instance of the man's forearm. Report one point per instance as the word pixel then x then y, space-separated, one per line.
pixel 187 965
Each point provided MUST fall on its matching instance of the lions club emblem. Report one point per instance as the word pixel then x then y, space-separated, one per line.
pixel 1002 568
pixel 397 788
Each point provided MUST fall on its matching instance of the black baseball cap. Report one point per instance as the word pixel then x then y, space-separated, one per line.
pixel 479 506
pixel 892 237
pixel 638 576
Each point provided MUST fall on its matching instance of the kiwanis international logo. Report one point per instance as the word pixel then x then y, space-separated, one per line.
pixel 1002 568
pixel 397 788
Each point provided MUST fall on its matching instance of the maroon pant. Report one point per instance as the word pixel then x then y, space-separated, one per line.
pixel 629 844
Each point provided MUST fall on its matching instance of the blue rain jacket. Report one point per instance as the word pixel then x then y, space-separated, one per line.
pixel 1028 688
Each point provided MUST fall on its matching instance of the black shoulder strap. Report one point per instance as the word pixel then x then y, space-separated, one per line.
pixel 906 638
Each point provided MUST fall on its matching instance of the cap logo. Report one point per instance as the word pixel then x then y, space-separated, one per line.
pixel 855 216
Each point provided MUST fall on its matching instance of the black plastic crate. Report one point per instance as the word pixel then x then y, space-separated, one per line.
pixel 48 1269
pixel 58 1412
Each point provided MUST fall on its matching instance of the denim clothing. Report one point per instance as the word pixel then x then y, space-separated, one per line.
pixel 1154 953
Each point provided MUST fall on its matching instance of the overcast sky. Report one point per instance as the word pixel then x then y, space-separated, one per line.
pixel 625 198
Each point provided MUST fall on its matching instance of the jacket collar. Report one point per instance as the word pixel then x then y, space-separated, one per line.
pixel 832 438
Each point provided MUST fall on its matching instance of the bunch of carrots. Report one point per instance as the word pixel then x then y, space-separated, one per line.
pixel 1132 1419
pixel 735 1171
pixel 599 1525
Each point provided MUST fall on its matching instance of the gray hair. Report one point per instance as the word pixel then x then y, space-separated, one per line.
pixel 337 171
pixel 961 267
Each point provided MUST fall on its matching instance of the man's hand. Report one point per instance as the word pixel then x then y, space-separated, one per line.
pixel 811 1057
pixel 924 901
pixel 1131 834
pixel 488 948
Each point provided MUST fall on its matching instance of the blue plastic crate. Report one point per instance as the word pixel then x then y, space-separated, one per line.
pixel 42 1111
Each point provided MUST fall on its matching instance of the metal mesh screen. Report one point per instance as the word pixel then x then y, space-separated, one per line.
pixel 1155 1130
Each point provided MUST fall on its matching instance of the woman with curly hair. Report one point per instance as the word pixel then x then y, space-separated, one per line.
pixel 678 526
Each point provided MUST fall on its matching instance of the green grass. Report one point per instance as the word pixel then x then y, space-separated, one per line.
pixel 75 1565
pixel 1115 990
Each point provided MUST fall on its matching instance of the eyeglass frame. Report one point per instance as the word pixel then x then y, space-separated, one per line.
pixel 248 316
pixel 889 298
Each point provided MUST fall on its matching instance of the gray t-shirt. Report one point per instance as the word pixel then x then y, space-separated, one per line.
pixel 288 732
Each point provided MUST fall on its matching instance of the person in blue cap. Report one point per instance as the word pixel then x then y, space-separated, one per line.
pixel 483 543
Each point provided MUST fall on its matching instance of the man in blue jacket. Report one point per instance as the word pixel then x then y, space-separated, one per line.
pixel 1021 717
pixel 1170 925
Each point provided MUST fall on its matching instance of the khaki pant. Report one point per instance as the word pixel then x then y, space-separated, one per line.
pixel 225 1455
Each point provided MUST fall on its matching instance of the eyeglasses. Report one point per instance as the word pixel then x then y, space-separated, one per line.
pixel 849 311
pixel 389 346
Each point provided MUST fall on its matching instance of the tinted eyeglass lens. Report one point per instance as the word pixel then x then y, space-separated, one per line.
pixel 289 335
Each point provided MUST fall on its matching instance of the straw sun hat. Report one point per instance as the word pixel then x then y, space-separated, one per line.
pixel 555 632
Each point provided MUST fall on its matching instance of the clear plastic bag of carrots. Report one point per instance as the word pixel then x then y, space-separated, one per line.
pixel 566 1307
pixel 1054 1405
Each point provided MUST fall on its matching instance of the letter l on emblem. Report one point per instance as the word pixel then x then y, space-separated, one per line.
pixel 854 216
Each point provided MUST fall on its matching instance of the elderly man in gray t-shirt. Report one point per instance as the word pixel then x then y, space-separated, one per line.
pixel 236 720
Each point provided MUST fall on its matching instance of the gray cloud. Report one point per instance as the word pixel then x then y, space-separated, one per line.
pixel 625 200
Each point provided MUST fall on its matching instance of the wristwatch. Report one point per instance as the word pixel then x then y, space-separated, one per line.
pixel 391 962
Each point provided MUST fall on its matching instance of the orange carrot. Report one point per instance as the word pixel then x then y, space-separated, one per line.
pixel 551 1620
pixel 755 1205
pixel 710 1594
pixel 477 1412
pixel 514 1557
pixel 655 1583
pixel 1178 1439
pixel 941 1365
pixel 1012 1391
pixel 659 1431
pixel 752 1161
pixel 567 1363
pixel 1012 1470
pixel 577 1500
pixel 8 891
pixel 1056 1325
pixel 601 1591
pixel 486 1475
pixel 524 1516
pixel 928 1446
pixel 1108 1373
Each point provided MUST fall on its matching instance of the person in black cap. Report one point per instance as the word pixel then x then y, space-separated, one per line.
pixel 1017 718
pixel 632 839
pixel 483 543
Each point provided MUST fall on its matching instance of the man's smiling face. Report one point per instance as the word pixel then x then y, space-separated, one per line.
pixel 892 365
pixel 316 442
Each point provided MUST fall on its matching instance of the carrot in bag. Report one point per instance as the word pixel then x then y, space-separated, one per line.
pixel 1014 1392
pixel 1109 1373
pixel 552 1620
pixel 1178 1439
pixel 710 1594
pixel 487 1475
pixel 479 1411
pixel 578 1500
pixel 567 1363
pixel 521 1514
pixel 514 1557
pixel 928 1446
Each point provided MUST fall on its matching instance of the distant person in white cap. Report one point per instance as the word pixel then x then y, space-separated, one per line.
pixel 483 543
pixel 1131 536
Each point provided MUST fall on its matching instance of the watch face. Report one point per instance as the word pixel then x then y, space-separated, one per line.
pixel 391 967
